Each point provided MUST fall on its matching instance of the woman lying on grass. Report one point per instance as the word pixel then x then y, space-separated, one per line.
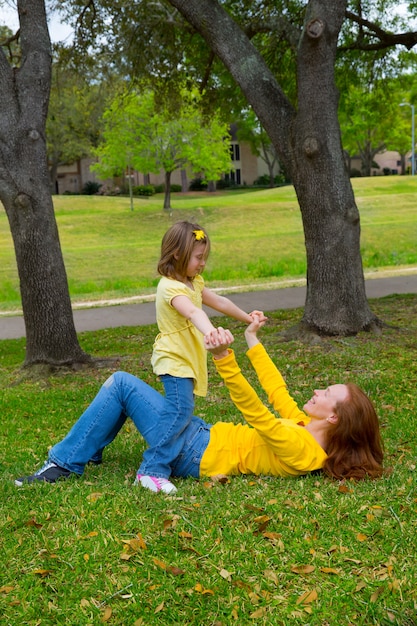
pixel 337 431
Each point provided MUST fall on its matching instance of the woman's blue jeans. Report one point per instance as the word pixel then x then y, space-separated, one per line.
pixel 121 396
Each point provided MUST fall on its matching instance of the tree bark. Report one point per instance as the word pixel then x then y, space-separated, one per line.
pixel 308 144
pixel 167 192
pixel 26 195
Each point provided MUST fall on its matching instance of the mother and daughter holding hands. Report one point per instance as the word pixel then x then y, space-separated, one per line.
pixel 337 430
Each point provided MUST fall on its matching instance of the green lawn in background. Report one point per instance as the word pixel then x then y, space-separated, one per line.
pixel 257 237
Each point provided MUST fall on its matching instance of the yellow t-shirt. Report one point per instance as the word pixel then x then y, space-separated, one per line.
pixel 270 445
pixel 179 347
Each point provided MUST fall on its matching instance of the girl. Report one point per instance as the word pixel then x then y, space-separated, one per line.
pixel 337 431
pixel 179 357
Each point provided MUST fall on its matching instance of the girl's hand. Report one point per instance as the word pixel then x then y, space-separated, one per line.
pixel 218 341
pixel 258 314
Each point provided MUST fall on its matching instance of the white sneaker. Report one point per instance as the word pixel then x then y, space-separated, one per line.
pixel 155 484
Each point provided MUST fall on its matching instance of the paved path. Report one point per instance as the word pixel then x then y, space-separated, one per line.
pixel 268 300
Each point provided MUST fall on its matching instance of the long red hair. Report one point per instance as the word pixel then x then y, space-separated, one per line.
pixel 354 445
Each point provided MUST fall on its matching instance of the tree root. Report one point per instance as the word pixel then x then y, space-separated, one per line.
pixel 42 371
pixel 314 336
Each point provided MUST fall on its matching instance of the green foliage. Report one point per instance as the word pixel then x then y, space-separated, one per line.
pixel 264 180
pixel 145 135
pixel 76 104
pixel 91 187
pixel 173 188
pixel 143 190
pixel 198 184
pixel 255 550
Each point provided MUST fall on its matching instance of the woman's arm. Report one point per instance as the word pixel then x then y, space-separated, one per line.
pixel 291 443
pixel 270 377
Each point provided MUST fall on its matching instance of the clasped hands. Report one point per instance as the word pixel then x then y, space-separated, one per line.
pixel 218 341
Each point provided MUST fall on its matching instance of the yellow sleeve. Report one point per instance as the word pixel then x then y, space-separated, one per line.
pixel 274 385
pixel 291 443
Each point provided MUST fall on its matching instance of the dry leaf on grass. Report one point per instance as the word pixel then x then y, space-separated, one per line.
pixel 302 569
pixel 307 597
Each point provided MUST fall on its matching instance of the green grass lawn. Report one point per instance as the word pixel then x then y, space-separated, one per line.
pixel 256 550
pixel 257 237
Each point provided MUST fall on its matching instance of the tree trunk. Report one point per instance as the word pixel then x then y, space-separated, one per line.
pixel 309 146
pixel 167 194
pixel 184 181
pixel 26 195
pixel 336 301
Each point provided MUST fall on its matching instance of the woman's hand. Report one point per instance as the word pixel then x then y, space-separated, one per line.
pixel 251 331
pixel 218 342
pixel 258 314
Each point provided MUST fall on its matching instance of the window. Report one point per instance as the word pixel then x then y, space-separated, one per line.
pixel 235 151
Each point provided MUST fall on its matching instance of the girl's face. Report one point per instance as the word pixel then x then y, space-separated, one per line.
pixel 323 401
pixel 197 260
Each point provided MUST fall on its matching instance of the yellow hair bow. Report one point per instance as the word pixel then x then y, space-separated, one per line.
pixel 199 234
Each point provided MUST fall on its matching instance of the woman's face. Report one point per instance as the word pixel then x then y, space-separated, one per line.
pixel 322 404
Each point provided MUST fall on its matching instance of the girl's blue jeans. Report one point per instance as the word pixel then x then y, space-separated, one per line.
pixel 121 396
pixel 176 415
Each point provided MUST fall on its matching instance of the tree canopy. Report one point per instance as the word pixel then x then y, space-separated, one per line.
pixel 150 138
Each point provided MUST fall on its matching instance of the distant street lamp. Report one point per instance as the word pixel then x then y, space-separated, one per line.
pixel 407 104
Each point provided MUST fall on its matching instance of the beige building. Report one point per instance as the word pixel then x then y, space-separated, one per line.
pixel 389 162
pixel 246 169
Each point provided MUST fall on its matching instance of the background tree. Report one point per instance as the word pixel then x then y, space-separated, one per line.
pixel 371 90
pixel 250 130
pixel 259 43
pixel 141 134
pixel 26 195
pixel 73 123
pixel 366 120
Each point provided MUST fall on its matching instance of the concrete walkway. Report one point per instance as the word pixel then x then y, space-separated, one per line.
pixel 142 314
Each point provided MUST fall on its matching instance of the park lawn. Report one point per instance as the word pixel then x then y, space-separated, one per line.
pixel 257 238
pixel 256 550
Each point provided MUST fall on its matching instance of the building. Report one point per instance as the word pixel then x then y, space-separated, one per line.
pixel 247 168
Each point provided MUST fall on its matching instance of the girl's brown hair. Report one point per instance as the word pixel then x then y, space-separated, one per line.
pixel 177 246
pixel 354 445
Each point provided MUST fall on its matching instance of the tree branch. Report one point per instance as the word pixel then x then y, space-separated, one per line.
pixel 373 31
pixel 279 25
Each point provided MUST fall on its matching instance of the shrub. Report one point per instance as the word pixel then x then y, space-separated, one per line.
pixel 222 184
pixel 174 188
pixel 90 188
pixel 197 184
pixel 262 181
pixel 143 190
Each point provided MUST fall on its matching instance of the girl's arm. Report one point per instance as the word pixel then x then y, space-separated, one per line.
pixel 227 307
pixel 200 320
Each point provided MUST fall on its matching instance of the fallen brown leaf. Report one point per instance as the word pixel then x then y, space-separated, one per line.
pixel 307 597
